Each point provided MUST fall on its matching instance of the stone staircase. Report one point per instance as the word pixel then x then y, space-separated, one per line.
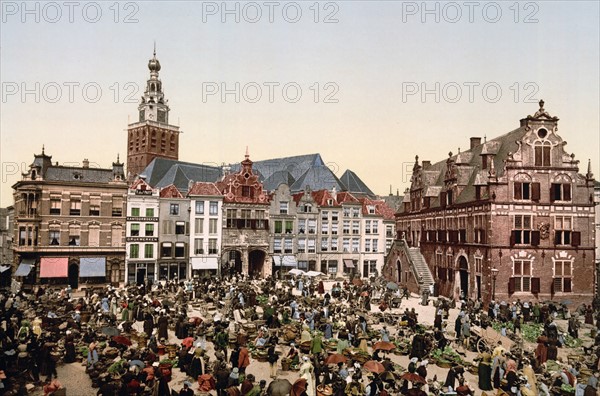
pixel 418 266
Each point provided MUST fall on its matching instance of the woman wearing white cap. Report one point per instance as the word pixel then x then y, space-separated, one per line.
pixel 306 372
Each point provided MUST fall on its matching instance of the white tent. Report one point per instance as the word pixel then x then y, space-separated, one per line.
pixel 296 271
pixel 314 273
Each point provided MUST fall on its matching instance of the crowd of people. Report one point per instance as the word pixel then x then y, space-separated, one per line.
pixel 315 337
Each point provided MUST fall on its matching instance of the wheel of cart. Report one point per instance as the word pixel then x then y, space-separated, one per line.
pixel 487 339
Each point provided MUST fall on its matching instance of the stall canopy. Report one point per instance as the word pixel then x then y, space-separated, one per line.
pixel 92 267
pixel 4 268
pixel 349 263
pixel 54 267
pixel 205 263
pixel 287 261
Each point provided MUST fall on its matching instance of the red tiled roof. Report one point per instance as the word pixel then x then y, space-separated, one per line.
pixel 322 196
pixel 170 192
pixel 346 197
pixel 139 182
pixel 381 208
pixel 297 197
pixel 204 188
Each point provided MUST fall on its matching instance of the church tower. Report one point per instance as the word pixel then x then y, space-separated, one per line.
pixel 151 136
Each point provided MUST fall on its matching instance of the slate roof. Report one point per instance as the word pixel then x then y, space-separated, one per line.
pixel 280 177
pixel 296 166
pixel 354 184
pixel 318 178
pixel 162 172
pixel 84 175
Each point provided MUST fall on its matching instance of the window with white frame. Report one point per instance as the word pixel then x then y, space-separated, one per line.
pixel 346 212
pixel 542 153
pixel 375 245
pixel 334 228
pixel 334 215
pixel 179 250
pixel 355 245
pixel 213 226
pixel 198 246
pixel 212 246
pixel 346 227
pixel 346 244
pixel 355 212
pixel 135 229
pixel 288 245
pixel 277 245
pixel 311 245
pixel 522 275
pixel 325 215
pixel 324 228
pixel 334 244
pixel 284 207
pixel 324 244
pixel 301 226
pixel 367 226
pixel 213 208
pixel 199 207
pixel 199 226
pixel 562 276
pixel 367 245
pixel 375 227
pixel 301 245
pixel 356 227
pixel 149 230
pixel 166 249
pixel 312 226
pixel 371 209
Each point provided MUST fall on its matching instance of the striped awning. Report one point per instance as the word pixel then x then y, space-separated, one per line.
pixel 349 263
pixel 23 269
pixel 54 267
pixel 289 261
pixel 205 263
pixel 92 267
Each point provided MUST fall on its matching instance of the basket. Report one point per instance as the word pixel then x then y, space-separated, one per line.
pixel 324 390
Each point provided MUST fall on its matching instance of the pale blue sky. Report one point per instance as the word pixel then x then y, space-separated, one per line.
pixel 370 54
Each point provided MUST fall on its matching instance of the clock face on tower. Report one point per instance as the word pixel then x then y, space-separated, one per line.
pixel 151 116
pixel 142 115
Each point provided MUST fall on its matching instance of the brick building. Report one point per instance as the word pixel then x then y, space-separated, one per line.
pixel 509 218
pixel 69 223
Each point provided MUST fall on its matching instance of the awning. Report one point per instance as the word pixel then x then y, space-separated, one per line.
pixel 92 267
pixel 23 270
pixel 4 268
pixel 348 263
pixel 54 267
pixel 28 261
pixel 205 263
pixel 287 261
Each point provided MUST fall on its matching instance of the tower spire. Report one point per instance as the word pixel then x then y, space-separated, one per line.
pixel 154 48
pixel 247 153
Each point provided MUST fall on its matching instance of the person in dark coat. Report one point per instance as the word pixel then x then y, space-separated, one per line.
pixel 484 372
pixel 234 359
pixel 163 327
pixel 70 354
pixel 222 379
pixel 418 347
pixel 453 374
pixel 197 365
pixel 458 326
pixel 148 324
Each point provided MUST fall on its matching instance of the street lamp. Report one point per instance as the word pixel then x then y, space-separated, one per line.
pixel 494 275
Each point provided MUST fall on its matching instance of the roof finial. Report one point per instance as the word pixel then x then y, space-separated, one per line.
pixel 484 138
pixel 117 158
pixel 541 103
pixel 589 174
pixel 247 153
pixel 43 149
pixel 155 48
pixel 459 150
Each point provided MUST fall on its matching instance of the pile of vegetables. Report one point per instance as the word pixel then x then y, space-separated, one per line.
pixel 573 342
pixel 116 367
pixel 567 388
pixel 262 299
pixel 446 355
pixel 531 331
pixel 173 362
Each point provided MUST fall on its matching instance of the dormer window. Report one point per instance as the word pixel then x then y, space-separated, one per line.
pixel 330 202
pixel 371 209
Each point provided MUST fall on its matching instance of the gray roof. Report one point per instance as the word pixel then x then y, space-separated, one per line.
pixel 162 172
pixel 280 177
pixel 318 178
pixel 354 184
pixel 296 166
pixel 78 174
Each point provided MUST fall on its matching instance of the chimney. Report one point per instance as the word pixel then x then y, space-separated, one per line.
pixel 426 165
pixel 475 141
pixel 86 163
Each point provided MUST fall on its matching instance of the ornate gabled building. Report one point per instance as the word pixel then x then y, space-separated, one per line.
pixel 509 218
pixel 152 136
pixel 245 246
pixel 69 223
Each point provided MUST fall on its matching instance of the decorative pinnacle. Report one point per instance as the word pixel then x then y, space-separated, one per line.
pixel 247 153
pixel 155 48
pixel 541 103
pixel 43 149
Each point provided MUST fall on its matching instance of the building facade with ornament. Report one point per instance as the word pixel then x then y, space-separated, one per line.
pixel 510 218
